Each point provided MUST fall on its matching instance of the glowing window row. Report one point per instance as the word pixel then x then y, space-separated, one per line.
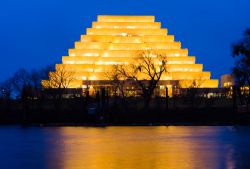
pixel 171 70
pixel 106 55
pixel 93 62
pixel 102 66
pixel 82 82
pixel 96 63
pixel 108 18
pixel 127 46
pixel 83 60
pixel 184 70
pixel 127 25
pixel 126 32
pixel 165 76
pixel 126 39
pixel 121 53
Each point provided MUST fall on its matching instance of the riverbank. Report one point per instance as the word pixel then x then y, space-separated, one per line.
pixel 134 119
pixel 130 112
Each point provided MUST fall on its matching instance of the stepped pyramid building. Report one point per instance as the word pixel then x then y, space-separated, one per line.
pixel 116 40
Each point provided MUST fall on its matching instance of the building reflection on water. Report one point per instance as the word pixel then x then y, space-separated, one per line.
pixel 143 148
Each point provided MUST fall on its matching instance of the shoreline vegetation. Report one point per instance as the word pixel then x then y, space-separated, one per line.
pixel 81 111
pixel 25 102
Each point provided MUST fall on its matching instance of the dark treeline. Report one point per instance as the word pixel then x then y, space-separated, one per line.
pixel 24 81
pixel 241 69
pixel 102 108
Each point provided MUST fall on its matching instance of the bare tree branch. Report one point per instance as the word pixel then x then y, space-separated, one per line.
pixel 146 70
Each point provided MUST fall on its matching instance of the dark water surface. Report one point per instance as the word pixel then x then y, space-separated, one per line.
pixel 125 148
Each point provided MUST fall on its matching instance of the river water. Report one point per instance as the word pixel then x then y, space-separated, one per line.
pixel 173 147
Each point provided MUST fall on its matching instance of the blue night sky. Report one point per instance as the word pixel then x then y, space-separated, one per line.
pixel 35 33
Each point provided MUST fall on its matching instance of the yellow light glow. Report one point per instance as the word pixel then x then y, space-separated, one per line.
pixel 90 54
pixel 105 54
pixel 84 86
pixel 99 63
pixel 70 62
pixel 92 77
pixel 116 40
pixel 103 18
pixel 124 34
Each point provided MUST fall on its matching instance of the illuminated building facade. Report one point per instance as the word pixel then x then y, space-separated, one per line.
pixel 116 40
pixel 226 80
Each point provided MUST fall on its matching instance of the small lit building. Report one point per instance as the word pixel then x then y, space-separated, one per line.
pixel 226 80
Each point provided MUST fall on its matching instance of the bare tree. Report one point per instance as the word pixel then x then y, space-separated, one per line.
pixel 18 81
pixel 241 70
pixel 241 52
pixel 146 71
pixel 197 82
pixel 44 72
pixel 14 86
pixel 60 80
pixel 117 80
pixel 192 87
pixel 6 89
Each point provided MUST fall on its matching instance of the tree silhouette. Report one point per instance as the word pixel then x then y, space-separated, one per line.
pixel 117 80
pixel 241 53
pixel 146 71
pixel 241 69
pixel 6 89
pixel 59 81
pixel 19 80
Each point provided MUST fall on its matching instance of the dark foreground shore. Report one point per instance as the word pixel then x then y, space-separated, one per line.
pixel 78 112
pixel 150 117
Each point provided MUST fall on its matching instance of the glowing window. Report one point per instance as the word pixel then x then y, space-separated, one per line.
pixel 84 86
pixel 131 27
pixel 92 77
pixel 90 54
pixel 99 63
pixel 124 34
pixel 105 54
pixel 70 62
